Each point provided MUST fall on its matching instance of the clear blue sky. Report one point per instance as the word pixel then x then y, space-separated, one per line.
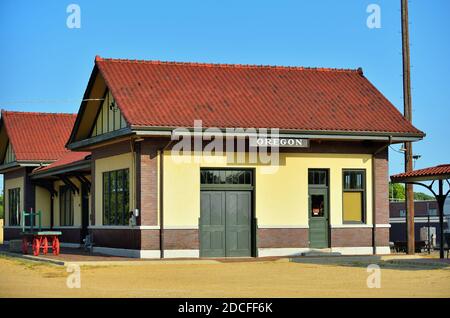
pixel 45 66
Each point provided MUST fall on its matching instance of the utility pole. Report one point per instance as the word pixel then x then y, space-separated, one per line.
pixel 407 106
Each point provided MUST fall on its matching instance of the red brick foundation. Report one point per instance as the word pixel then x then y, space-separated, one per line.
pixel 181 239
pixel 72 236
pixel 11 234
pixel 351 237
pixel 282 238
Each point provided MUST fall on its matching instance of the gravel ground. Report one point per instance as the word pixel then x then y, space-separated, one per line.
pixel 19 278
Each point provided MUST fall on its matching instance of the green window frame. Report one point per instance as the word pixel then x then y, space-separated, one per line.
pixel 116 197
pixel 14 207
pixel 226 177
pixel 318 177
pixel 354 196
pixel 66 217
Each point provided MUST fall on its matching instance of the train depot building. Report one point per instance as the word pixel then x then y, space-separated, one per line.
pixel 170 159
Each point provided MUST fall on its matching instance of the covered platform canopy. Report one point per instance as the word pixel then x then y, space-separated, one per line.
pixel 439 174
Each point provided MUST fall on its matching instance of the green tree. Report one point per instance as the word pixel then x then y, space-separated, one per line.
pixel 422 196
pixel 397 192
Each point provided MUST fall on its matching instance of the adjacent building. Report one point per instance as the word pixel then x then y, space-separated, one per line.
pixel 128 178
pixel 425 216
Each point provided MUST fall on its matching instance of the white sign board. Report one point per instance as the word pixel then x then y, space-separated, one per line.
pixel 279 142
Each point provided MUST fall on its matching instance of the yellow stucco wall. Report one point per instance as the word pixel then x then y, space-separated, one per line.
pixel 122 161
pixel 11 184
pixel 281 197
pixel 76 204
pixel 43 204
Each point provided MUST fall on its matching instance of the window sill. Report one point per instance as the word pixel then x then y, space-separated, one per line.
pixel 67 227
pixel 123 227
pixel 350 226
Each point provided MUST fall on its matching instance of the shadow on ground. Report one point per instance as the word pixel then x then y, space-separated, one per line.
pixel 395 262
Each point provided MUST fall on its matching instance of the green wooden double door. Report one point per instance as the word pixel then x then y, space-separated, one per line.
pixel 226 223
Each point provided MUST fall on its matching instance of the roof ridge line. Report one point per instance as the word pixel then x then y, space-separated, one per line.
pixel 228 65
pixel 4 111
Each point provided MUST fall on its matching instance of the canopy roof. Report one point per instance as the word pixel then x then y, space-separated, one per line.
pixel 71 162
pixel 439 172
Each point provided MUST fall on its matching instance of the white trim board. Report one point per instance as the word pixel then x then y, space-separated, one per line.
pixel 361 250
pixel 283 226
pixel 127 252
pixel 282 251
pixel 123 227
pixel 358 226
pixel 263 252
pixel 181 253
pixel 180 227
pixel 383 226
pixel 67 227
pixel 351 226
pixel 70 245
pixel 147 227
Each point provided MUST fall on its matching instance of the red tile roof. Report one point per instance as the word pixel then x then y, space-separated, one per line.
pixel 68 158
pixel 432 172
pixel 172 94
pixel 38 136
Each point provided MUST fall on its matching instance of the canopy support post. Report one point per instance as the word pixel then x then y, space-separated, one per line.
pixel 440 198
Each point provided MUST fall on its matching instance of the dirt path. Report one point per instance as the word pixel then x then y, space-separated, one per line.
pixel 257 279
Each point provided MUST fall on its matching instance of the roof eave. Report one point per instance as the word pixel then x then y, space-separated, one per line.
pixel 310 134
pixel 406 179
pixel 23 163
pixel 93 141
pixel 74 166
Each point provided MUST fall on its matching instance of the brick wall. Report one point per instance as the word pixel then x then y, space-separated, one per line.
pixel 149 179
pixel 117 238
pixel 150 239
pixel 12 234
pixel 181 239
pixel 381 200
pixel 273 238
pixel 350 237
pixel 70 236
pixel 381 187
